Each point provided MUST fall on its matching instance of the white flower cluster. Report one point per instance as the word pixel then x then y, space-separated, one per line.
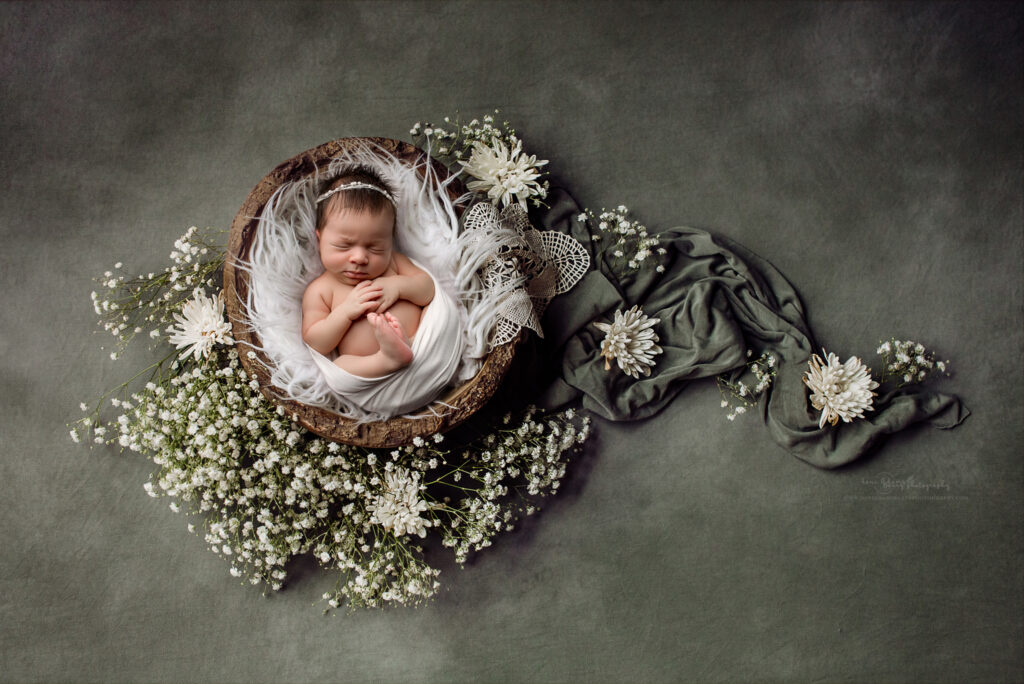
pixel 527 459
pixel 456 140
pixel 908 362
pixel 632 243
pixel 127 307
pixel 267 490
pixel 491 154
pixel 262 488
pixel 743 392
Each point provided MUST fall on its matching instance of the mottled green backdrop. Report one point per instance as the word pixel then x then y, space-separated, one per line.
pixel 873 152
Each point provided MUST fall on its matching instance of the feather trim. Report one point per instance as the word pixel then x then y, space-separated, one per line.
pixel 284 259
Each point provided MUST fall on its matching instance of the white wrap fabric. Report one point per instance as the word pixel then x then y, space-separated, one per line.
pixel 437 350
pixel 284 259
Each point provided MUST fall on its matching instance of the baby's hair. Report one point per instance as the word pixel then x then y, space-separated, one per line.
pixel 355 198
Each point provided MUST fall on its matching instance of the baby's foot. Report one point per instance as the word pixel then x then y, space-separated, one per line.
pixel 391 338
pixel 397 325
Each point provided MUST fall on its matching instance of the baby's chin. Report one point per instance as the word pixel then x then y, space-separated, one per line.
pixel 354 277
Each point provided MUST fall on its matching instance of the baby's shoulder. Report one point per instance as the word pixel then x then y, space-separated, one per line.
pixel 318 284
pixel 323 286
pixel 403 264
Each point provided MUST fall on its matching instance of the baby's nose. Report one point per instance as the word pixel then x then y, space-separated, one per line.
pixel 359 255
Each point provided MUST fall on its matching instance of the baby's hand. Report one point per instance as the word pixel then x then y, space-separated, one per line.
pixel 361 299
pixel 390 293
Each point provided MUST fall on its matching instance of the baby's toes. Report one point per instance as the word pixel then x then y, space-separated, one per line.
pixel 397 325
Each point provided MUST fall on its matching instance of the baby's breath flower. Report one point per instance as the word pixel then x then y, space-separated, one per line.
pixel 743 388
pixel 907 362
pixel 128 306
pixel 267 490
pixel 632 244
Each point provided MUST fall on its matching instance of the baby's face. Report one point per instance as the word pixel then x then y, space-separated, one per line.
pixel 356 245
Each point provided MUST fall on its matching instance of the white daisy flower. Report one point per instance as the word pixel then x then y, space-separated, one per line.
pixel 398 507
pixel 630 340
pixel 505 175
pixel 839 390
pixel 200 325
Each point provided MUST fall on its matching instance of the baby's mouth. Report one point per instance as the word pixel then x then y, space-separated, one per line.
pixel 355 275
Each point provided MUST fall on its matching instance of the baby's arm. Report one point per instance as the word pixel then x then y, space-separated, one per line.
pixel 323 327
pixel 410 282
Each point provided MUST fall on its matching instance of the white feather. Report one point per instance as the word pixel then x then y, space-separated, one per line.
pixel 284 259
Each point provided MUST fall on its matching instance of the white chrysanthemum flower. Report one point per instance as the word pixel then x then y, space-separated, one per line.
pixel 505 175
pixel 200 325
pixel 630 340
pixel 839 390
pixel 398 507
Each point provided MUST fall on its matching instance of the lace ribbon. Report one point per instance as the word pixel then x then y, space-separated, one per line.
pixel 521 268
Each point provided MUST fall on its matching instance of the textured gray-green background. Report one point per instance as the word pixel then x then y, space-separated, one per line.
pixel 872 152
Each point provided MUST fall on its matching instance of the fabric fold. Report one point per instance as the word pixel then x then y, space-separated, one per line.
pixel 715 300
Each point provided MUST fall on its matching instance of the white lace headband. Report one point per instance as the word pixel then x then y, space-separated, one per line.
pixel 352 186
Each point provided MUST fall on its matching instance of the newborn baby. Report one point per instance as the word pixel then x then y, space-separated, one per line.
pixel 367 304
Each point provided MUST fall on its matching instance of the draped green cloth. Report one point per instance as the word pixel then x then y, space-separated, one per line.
pixel 715 300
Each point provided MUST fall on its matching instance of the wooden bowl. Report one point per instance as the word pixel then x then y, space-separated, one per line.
pixel 461 402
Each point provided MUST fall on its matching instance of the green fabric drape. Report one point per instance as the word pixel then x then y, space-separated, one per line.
pixel 715 300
